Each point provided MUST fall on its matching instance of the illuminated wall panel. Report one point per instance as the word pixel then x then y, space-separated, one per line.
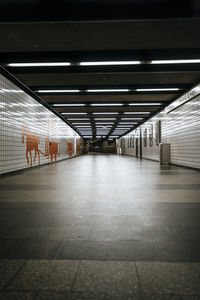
pixel 30 134
pixel 180 128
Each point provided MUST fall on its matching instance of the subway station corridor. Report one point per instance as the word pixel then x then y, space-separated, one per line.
pixel 100 150
pixel 100 227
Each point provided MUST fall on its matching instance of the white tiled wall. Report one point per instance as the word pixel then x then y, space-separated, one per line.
pixel 180 128
pixel 26 127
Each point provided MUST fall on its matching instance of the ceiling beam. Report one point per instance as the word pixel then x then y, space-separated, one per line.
pixel 100 35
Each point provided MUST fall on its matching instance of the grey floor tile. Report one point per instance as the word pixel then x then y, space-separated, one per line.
pixel 67 296
pixel 6 247
pixel 197 267
pixel 30 248
pixel 111 278
pixel 73 232
pixel 5 230
pixel 119 232
pixel 168 278
pixel 45 275
pixel 16 296
pixel 185 233
pixel 160 297
pixel 127 219
pixel 190 298
pixel 132 251
pixel 8 268
pixel 123 297
pixel 99 234
pixel 30 232
pixel 88 250
pixel 150 233
pixel 178 251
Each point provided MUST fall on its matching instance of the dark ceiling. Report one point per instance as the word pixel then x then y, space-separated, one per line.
pixel 108 31
pixel 43 10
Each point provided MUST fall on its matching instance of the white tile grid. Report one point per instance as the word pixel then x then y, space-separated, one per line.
pixel 180 128
pixel 18 110
pixel 130 150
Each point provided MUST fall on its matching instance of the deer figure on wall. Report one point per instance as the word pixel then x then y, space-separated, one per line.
pixel 51 149
pixel 32 142
pixel 70 148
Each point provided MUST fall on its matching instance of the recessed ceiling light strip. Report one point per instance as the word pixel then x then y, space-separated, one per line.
pixel 58 91
pixel 103 63
pixel 105 113
pixel 176 61
pixel 107 90
pixel 146 104
pixel 40 64
pixel 64 104
pixel 157 90
pixel 137 113
pixel 106 104
pixel 74 113
pixel 109 63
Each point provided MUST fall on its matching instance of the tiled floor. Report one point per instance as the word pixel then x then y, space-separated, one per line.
pixel 100 227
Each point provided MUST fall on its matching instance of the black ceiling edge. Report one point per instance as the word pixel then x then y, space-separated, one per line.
pixel 23 87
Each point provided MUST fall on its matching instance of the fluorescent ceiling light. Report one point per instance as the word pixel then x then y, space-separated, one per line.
pixel 83 126
pixel 122 128
pixel 107 90
pixel 104 123
pixel 127 123
pixel 131 118
pixel 137 113
pixel 87 136
pixel 114 136
pixel 58 91
pixel 176 61
pixel 68 104
pixel 103 126
pixel 146 104
pixel 75 119
pixel 82 123
pixel 41 64
pixel 103 129
pixel 103 119
pixel 98 136
pixel 105 113
pixel 106 104
pixel 157 90
pixel 74 113
pixel 109 63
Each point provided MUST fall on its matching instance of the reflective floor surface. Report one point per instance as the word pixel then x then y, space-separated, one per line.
pixel 100 227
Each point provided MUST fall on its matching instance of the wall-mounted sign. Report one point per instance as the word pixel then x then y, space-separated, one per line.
pixel 158 132
pixel 151 135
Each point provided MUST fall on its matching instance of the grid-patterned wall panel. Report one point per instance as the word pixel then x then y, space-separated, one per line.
pixel 30 134
pixel 183 133
pixel 180 128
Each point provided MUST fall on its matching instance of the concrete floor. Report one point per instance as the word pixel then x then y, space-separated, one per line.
pixel 100 227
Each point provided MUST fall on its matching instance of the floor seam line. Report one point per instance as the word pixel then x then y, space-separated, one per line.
pixel 139 284
pixel 14 276
pixel 75 276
